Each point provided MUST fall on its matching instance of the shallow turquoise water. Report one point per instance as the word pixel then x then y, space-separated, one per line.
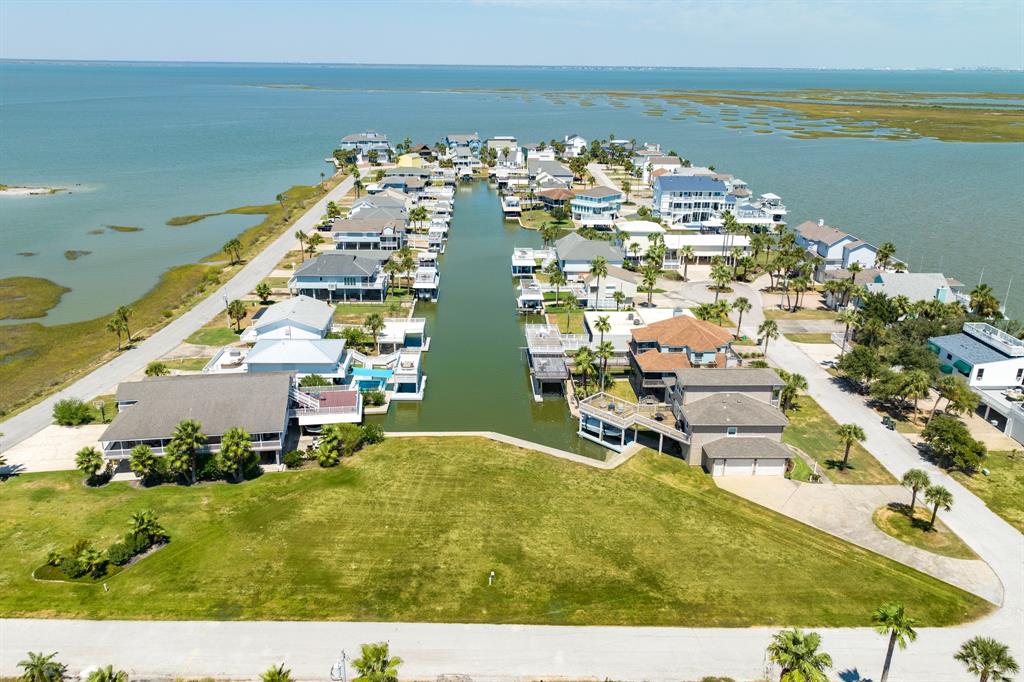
pixel 141 143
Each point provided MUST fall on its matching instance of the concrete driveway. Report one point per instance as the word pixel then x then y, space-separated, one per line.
pixel 53 448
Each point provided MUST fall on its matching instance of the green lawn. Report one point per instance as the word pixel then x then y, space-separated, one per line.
pixel 567 324
pixel 213 336
pixel 409 531
pixel 893 520
pixel 535 219
pixel 809 337
pixel 813 430
pixel 801 314
pixel 1003 489
pixel 623 389
pixel 186 364
pixel 356 313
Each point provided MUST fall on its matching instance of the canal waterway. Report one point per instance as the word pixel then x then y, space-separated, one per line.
pixel 476 374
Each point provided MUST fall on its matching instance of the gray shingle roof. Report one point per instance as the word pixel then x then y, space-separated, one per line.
pixel 302 309
pixel 257 403
pixel 552 168
pixel 732 409
pixel 337 265
pixel 746 448
pixel 362 223
pixel 736 376
pixel 574 247
pixel 812 231
pixel 968 348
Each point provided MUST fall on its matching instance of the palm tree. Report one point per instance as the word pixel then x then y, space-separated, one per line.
pixel 769 329
pixel 687 254
pixel 548 233
pixel 571 304
pixel 276 673
pixel 650 278
pixel 742 305
pixel 916 480
pixel 599 269
pixel 583 359
pixel 983 302
pixel 916 385
pixel 937 496
pixel 720 275
pixel 107 674
pixel 884 255
pixel 89 461
pixel 301 236
pixel 619 297
pixel 236 450
pixel 987 658
pixel 891 619
pixel 796 652
pixel 312 242
pixel 557 277
pixel 233 248
pixel 605 350
pixel 794 384
pixel 847 317
pixel 263 291
pixel 376 664
pixel 602 326
pixel 848 435
pixel 188 438
pixel 375 324
pixel 142 462
pixel 237 312
pixel 393 268
pixel 40 668
pixel 115 325
pixel 145 524
pixel 157 369
pixel 122 313
pixel 407 260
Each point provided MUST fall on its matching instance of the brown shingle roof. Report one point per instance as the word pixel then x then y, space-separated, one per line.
pixel 656 361
pixel 598 192
pixel 557 194
pixel 697 335
pixel 812 231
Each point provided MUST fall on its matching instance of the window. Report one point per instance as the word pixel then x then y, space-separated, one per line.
pixel 1020 374
pixel 981 373
pixel 732 431
pixel 949 356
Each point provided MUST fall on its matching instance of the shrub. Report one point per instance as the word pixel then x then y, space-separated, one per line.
pixel 136 543
pixel 71 412
pixel 294 459
pixel 72 567
pixel 314 380
pixel 54 558
pixel 327 457
pixel 373 434
pixel 373 398
pixel 208 467
pixel 119 554
pixel 168 314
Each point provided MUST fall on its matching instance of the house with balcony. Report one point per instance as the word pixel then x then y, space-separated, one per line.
pixel 340 277
pixel 471 140
pixel 366 142
pixel 540 171
pixel 622 323
pixel 148 412
pixel 575 145
pixel 555 197
pixel 688 201
pixel 600 291
pixel 426 282
pixel 705 246
pixel 992 363
pixel 300 317
pixel 652 163
pixel 575 253
pixel 386 204
pixel 915 286
pixel 837 248
pixel 369 234
pixel 328 358
pixel 658 350
pixel 596 207
pixel 724 420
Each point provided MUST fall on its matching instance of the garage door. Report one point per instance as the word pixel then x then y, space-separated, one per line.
pixel 770 467
pixel 718 467
pixel 739 467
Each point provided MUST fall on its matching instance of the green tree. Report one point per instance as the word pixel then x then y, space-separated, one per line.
pixel 71 412
pixel 264 291
pixel 375 324
pixel 185 444
pixel 376 664
pixel 393 269
pixel 583 360
pixel 548 232
pixel 236 450
pixel 571 305
pixel 649 280
pixel 115 325
pixel 233 249
pixel 313 242
pixel 626 187
pixel 793 385
pixel 124 313
pixel 892 619
pixel 987 658
pixel 983 302
pixel 142 462
pixel 604 352
pixel 917 384
pixel 90 462
pixel 847 318
pixel 603 326
pixel 861 365
pixel 599 269
pixel 937 496
pixel 146 525
pixel 107 674
pixel 337 441
pixel 687 255
pixel 951 441
pixel 276 673
pixel 301 236
pixel 917 480
pixel 848 435
pixel 619 297
pixel 237 312
pixel 768 330
pixel 796 652
pixel 741 305
pixel 40 668
pixel 720 275
pixel 884 255
pixel 157 369
pixel 332 210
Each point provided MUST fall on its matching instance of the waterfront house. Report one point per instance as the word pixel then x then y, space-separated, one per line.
pixel 705 247
pixel 596 207
pixel 837 248
pixel 575 253
pixel 617 279
pixel 376 234
pixel 538 170
pixel 575 145
pixel 680 342
pixel 725 420
pixel 464 160
pixel 364 143
pixel 652 163
pixel 327 357
pixel 300 317
pixel 915 286
pixel 527 260
pixel 426 282
pixel 410 161
pixel 688 200
pixel 537 153
pixel 411 185
pixel 555 197
pixel 502 142
pixel 471 140
pixel 404 332
pixel 340 276
pixel 150 410
pixel 992 363
pixel 622 323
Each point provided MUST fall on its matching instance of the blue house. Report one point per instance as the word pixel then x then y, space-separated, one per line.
pixel 688 199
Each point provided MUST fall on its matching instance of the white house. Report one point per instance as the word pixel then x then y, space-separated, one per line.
pixel 688 200
pixel 839 249
pixel 575 253
pixel 704 246
pixel 650 164
pixel 539 169
pixel 596 207
pixel 916 286
pixel 575 145
pixel 364 143
pixel 327 357
pixel 300 317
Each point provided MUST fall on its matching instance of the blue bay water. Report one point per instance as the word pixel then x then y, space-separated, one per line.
pixel 140 143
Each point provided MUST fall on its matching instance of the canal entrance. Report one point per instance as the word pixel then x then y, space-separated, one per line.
pixel 476 374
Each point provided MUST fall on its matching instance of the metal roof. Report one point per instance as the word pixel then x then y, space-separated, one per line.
pixel 968 348
pixel 302 309
pixel 688 183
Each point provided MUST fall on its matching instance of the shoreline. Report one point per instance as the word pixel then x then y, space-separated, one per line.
pixel 19 191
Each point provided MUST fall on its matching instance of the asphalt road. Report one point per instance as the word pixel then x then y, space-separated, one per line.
pixel 104 377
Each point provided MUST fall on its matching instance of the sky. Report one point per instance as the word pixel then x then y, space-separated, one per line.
pixel 897 34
